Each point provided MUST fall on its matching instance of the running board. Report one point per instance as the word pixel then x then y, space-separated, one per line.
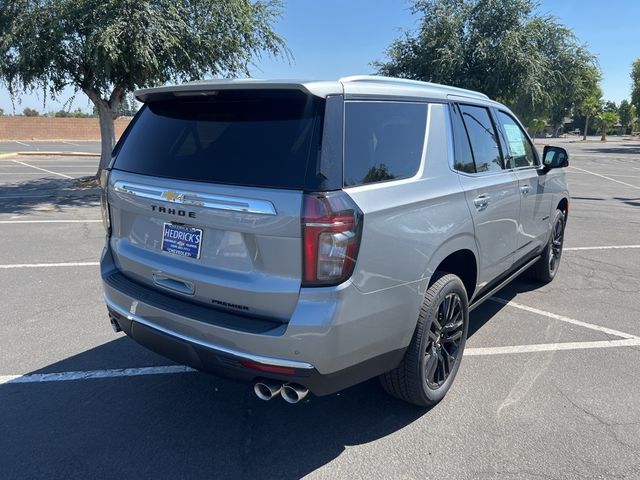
pixel 503 284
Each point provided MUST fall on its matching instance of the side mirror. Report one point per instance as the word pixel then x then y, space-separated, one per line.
pixel 554 157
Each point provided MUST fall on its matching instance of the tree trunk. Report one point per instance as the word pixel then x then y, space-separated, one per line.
pixel 106 114
pixel 604 133
pixel 107 135
pixel 586 127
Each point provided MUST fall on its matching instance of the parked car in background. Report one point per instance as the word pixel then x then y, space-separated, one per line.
pixel 308 236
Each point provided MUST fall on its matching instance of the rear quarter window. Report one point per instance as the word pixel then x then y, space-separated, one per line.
pixel 483 138
pixel 383 141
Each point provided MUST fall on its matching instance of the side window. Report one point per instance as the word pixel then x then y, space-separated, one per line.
pixel 383 141
pixel 461 148
pixel 483 138
pixel 522 154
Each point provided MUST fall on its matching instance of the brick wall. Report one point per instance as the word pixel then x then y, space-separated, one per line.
pixel 44 128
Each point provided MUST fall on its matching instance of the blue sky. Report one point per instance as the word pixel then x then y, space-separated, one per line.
pixel 334 38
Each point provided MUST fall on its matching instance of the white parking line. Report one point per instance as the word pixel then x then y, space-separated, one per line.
pixel 7 164
pixel 610 174
pixel 93 374
pixel 173 369
pixel 43 169
pixel 48 221
pixel 605 177
pixel 49 265
pixel 21 143
pixel 604 247
pixel 551 347
pixel 17 174
pixel 71 143
pixel 599 328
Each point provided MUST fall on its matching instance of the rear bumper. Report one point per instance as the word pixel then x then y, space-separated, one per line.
pixel 231 364
pixel 335 338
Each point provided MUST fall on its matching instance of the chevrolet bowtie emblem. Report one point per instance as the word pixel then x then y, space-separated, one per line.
pixel 172 196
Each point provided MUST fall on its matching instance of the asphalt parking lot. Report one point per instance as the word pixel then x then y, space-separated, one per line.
pixel 549 386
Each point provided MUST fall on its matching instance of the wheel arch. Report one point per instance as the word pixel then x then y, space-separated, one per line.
pixel 563 205
pixel 460 257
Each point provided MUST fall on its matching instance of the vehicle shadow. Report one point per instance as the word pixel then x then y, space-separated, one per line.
pixel 188 425
pixel 50 194
pixel 634 202
pixel 618 150
pixel 487 310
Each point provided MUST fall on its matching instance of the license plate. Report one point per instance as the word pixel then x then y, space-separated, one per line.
pixel 181 240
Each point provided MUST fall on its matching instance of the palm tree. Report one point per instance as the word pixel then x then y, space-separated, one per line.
pixel 589 107
pixel 607 120
pixel 537 125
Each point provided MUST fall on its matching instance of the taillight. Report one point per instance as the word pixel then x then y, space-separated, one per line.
pixel 104 204
pixel 331 229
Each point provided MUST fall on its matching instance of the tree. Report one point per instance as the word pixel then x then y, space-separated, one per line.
pixel 77 113
pixel 30 112
pixel 499 47
pixel 634 119
pixel 589 107
pixel 536 125
pixel 106 48
pixel 607 119
pixel 624 112
pixel 635 86
pixel 1 112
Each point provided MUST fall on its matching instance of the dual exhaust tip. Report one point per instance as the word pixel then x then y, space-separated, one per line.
pixel 291 392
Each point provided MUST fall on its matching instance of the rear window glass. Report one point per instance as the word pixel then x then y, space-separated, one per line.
pixel 255 138
pixel 383 141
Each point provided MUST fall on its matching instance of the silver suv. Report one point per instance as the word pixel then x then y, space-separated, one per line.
pixel 308 236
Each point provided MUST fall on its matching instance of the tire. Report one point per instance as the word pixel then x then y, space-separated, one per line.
pixel 422 378
pixel 545 269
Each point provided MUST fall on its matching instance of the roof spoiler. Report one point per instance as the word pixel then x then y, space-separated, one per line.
pixel 205 88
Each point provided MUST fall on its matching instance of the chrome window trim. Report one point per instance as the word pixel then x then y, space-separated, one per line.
pixel 205 200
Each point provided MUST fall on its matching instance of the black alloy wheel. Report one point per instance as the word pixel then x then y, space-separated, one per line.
pixel 443 347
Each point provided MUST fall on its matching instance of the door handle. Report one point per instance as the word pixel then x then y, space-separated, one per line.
pixel 174 284
pixel 481 202
pixel 524 189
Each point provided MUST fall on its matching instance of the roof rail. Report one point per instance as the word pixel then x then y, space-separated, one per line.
pixel 406 81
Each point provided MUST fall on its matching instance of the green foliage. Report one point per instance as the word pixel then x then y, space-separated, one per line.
pixel 635 121
pixel 378 174
pixel 499 47
pixel 1 112
pixel 588 107
pixel 106 48
pixel 98 45
pixel 610 106
pixel 635 84
pixel 624 112
pixel 30 112
pixel 606 119
pixel 536 125
pixel 77 113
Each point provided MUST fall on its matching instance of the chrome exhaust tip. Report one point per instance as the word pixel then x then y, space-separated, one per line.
pixel 293 393
pixel 114 325
pixel 267 389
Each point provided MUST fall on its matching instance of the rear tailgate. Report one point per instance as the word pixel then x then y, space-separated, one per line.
pixel 206 194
